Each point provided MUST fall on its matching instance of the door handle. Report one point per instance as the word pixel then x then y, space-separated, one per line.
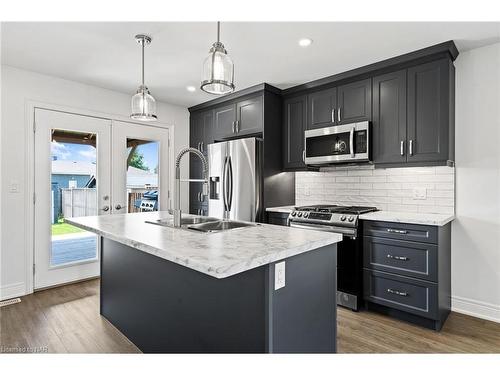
pixel 351 141
pixel 397 257
pixel 411 147
pixel 402 148
pixel 118 207
pixel 224 182
pixel 230 184
pixel 338 114
pixel 333 114
pixel 105 208
pixel 398 231
pixel 397 292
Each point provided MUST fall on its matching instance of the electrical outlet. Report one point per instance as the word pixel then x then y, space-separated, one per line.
pixel 279 275
pixel 419 193
pixel 14 187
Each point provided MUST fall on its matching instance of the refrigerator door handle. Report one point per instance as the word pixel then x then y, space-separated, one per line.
pixel 224 182
pixel 230 184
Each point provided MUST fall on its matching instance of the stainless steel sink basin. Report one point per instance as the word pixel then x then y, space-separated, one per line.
pixel 184 221
pixel 219 225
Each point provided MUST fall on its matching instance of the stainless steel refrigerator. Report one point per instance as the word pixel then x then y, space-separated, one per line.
pixel 235 179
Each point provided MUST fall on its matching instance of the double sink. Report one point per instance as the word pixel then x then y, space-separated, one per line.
pixel 203 224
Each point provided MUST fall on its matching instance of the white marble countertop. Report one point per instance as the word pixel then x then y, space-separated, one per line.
pixel 218 254
pixel 282 209
pixel 408 217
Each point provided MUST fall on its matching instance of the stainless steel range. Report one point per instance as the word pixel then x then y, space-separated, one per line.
pixel 344 220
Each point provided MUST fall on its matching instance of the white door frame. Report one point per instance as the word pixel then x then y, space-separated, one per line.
pixel 29 207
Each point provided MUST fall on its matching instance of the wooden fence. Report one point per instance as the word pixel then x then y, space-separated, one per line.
pixel 79 202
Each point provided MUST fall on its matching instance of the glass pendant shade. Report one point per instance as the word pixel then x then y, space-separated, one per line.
pixel 143 105
pixel 218 70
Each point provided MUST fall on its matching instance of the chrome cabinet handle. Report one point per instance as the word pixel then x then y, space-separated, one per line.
pixel 402 148
pixel 351 141
pixel 237 126
pixel 397 292
pixel 201 146
pixel 118 207
pixel 398 231
pixel 411 147
pixel 105 208
pixel 304 156
pixel 234 123
pixel 333 114
pixel 397 257
pixel 338 114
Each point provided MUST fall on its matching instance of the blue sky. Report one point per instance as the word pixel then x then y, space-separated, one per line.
pixel 75 152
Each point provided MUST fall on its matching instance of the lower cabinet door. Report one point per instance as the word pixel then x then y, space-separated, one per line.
pixel 405 258
pixel 401 293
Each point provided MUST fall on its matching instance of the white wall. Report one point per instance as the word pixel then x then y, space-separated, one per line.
pixel 388 189
pixel 18 87
pixel 476 230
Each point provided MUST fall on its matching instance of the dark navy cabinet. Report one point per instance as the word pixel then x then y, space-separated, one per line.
pixel 294 125
pixel 354 102
pixel 407 271
pixel 321 108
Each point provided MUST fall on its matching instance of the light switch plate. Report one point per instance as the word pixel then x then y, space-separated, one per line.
pixel 419 193
pixel 279 275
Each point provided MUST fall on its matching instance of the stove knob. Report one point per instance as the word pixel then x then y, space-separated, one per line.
pixel 299 214
pixel 294 213
pixel 342 218
pixel 351 218
pixel 306 214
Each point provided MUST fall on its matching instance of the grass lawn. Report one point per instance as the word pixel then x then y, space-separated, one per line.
pixel 64 228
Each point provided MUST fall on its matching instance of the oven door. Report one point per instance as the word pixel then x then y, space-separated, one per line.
pixel 337 144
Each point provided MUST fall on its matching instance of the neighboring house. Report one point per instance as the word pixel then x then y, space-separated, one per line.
pixel 68 174
pixel 77 174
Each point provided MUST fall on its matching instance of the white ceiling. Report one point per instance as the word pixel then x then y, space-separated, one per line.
pixel 106 54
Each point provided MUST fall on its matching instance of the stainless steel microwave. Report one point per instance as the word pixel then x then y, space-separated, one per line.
pixel 338 144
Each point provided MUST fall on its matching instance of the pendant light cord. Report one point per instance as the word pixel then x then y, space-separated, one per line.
pixel 218 32
pixel 142 43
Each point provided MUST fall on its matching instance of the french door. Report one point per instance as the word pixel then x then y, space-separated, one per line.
pixel 86 166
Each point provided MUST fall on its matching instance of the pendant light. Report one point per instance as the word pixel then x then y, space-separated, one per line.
pixel 143 104
pixel 218 70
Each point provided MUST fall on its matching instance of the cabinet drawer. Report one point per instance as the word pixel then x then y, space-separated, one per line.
pixel 277 218
pixel 401 257
pixel 401 293
pixel 401 231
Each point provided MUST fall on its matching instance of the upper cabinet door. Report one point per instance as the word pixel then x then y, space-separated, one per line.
pixel 250 116
pixel 295 119
pixel 321 108
pixel 224 121
pixel 389 118
pixel 354 102
pixel 207 118
pixel 429 104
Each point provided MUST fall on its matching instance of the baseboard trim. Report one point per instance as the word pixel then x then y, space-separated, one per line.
pixel 478 309
pixel 12 291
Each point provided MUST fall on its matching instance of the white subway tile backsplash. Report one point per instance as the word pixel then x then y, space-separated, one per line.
pixel 386 189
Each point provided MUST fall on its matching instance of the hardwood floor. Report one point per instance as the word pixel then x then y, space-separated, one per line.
pixel 67 320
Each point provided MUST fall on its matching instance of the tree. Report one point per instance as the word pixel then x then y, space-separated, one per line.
pixel 136 160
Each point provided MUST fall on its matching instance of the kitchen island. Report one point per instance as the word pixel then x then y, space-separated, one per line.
pixel 257 289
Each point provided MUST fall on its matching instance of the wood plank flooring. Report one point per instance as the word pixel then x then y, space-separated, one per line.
pixel 67 320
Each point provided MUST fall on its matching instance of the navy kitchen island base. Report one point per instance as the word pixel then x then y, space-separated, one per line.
pixel 164 307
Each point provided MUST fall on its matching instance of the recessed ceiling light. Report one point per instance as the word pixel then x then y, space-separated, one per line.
pixel 191 88
pixel 305 42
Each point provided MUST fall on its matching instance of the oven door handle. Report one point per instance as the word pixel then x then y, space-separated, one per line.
pixel 351 141
pixel 350 232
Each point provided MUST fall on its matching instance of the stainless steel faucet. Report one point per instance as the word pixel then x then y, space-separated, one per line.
pixel 177 213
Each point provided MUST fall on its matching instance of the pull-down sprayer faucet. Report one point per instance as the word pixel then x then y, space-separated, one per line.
pixel 177 197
